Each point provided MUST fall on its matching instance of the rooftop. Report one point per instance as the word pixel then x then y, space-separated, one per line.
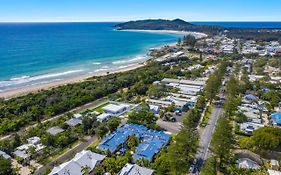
pixel 276 118
pixel 134 169
pixel 5 155
pixel 245 163
pixel 152 140
pixel 55 130
pixel 74 166
pixel 114 108
pixel 73 122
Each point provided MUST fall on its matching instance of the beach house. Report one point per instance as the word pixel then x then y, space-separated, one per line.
pixel 83 159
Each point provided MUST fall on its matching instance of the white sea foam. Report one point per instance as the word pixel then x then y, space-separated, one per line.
pixel 96 63
pixel 31 80
pixel 135 59
pixel 100 70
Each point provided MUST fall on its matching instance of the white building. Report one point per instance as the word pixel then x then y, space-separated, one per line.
pixel 75 166
pixel 134 169
pixel 115 109
pixel 78 116
pixel 245 163
pixel 103 117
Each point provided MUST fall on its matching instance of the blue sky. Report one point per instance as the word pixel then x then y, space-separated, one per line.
pixel 124 10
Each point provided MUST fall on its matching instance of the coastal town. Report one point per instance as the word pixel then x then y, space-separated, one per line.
pixel 208 104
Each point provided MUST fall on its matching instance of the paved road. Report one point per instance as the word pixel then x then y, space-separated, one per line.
pixel 206 137
pixel 77 109
pixel 67 155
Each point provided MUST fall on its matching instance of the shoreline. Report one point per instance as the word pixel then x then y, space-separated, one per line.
pixel 21 91
pixel 198 34
pixel 35 88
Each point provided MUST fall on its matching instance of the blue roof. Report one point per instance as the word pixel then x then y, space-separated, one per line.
pixel 151 141
pixel 276 117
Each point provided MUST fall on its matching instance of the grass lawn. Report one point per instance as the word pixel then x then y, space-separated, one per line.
pixel 99 108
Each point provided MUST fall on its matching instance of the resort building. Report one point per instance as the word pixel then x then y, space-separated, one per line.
pixel 151 141
pixel 115 109
pixel 134 169
pixel 81 160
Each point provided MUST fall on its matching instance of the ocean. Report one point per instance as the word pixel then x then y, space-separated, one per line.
pixel 38 53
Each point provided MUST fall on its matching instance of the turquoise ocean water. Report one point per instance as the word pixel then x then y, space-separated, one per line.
pixel 36 53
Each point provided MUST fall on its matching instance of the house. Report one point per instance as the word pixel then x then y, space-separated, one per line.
pixel 81 160
pixel 55 130
pixel 115 109
pixel 34 140
pixel 246 163
pixel 78 116
pixel 250 97
pixel 276 118
pixel 73 122
pixel 134 169
pixel 23 150
pixel 249 127
pixel 5 155
pixel 155 109
pixel 103 117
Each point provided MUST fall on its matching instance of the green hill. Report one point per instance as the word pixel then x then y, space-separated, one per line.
pixel 161 24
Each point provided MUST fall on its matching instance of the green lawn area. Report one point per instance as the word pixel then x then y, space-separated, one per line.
pixel 99 108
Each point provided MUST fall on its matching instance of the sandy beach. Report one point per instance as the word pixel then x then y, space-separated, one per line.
pixel 79 78
pixel 196 34
pixel 36 88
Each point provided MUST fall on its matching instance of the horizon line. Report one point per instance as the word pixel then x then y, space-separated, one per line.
pixel 127 21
